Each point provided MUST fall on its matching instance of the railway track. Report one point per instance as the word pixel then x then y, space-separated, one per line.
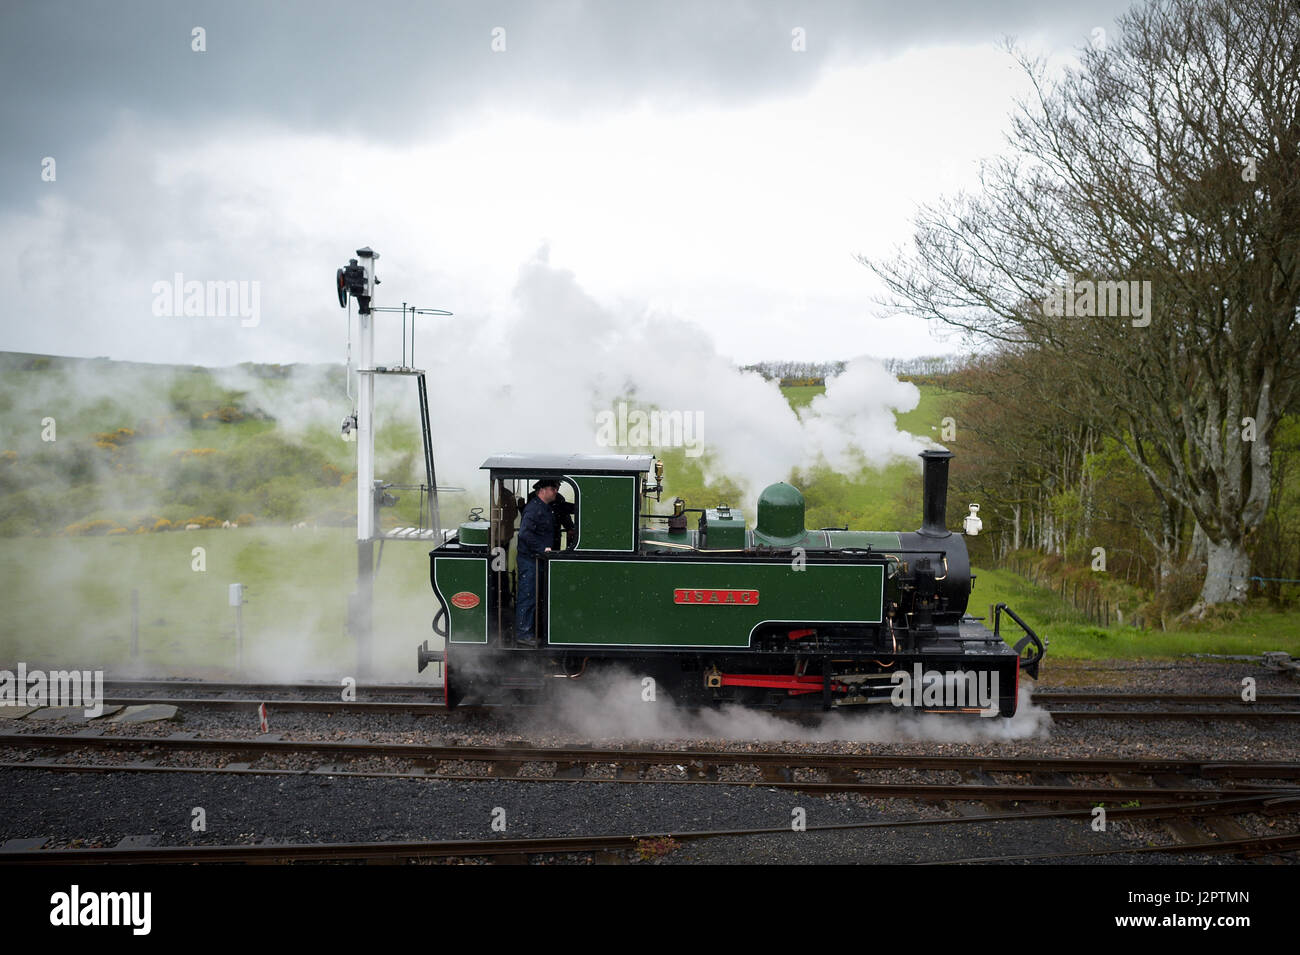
pixel 427 690
pixel 1178 793
pixel 1272 707
pixel 1261 710
pixel 1059 696
pixel 414 700
pixel 413 690
pixel 778 770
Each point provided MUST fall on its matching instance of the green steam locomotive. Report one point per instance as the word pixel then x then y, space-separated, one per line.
pixel 771 615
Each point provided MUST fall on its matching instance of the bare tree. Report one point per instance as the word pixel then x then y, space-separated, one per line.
pixel 1146 223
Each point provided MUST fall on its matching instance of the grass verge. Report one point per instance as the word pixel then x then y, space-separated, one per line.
pixel 1072 636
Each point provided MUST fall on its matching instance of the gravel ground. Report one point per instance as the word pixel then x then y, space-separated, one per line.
pixel 254 809
pixel 1174 676
pixel 91 809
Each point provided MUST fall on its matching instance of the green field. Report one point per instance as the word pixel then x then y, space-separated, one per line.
pixel 926 419
pixel 801 396
pixel 1071 635
pixel 70 602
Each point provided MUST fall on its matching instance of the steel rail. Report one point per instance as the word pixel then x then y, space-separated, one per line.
pixel 322 691
pixel 1041 697
pixel 658 757
pixel 1174 715
pixel 975 792
pixel 371 707
pixel 1056 696
pixel 428 708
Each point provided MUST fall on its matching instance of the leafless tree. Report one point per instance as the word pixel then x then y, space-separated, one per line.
pixel 1170 156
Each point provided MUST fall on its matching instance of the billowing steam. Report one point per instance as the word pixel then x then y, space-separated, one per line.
pixel 613 706
pixel 538 380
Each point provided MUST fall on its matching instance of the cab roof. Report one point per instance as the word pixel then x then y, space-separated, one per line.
pixel 539 464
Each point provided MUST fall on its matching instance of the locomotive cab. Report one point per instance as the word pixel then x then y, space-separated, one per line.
pixel 512 495
pixel 475 576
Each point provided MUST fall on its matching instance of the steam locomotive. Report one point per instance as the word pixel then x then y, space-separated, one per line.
pixel 774 615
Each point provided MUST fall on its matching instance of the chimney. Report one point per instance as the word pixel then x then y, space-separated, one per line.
pixel 934 505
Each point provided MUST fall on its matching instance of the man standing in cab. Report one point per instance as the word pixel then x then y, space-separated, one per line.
pixel 536 535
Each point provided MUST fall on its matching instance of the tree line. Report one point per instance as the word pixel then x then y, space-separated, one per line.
pixel 1132 266
pixel 804 372
pixel 1040 458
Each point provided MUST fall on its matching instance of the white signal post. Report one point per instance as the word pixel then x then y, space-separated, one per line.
pixel 357 282
pixel 360 609
pixel 366 403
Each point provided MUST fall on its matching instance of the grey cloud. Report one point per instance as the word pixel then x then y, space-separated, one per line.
pixel 399 71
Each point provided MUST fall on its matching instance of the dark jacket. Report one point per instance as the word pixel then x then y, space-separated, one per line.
pixel 537 529
pixel 562 511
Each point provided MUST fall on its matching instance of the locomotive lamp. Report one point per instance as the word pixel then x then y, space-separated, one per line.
pixel 971 523
pixel 657 489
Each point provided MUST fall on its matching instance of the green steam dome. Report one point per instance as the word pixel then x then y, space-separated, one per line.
pixel 780 516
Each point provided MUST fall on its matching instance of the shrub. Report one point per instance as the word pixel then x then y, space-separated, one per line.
pixel 184 453
pixel 1178 592
pixel 281 500
pixel 113 439
pixel 227 414
pixel 270 457
pixel 95 528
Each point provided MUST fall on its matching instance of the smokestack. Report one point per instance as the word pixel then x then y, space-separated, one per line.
pixel 934 505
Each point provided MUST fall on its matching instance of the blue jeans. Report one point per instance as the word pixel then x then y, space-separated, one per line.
pixel 526 601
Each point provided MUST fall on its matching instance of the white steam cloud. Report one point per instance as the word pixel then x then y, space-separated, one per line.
pixel 538 382
pixel 611 706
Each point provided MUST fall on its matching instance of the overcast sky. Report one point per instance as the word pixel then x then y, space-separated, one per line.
pixel 680 160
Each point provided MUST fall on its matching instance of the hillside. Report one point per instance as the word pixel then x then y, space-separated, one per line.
pixel 95 447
